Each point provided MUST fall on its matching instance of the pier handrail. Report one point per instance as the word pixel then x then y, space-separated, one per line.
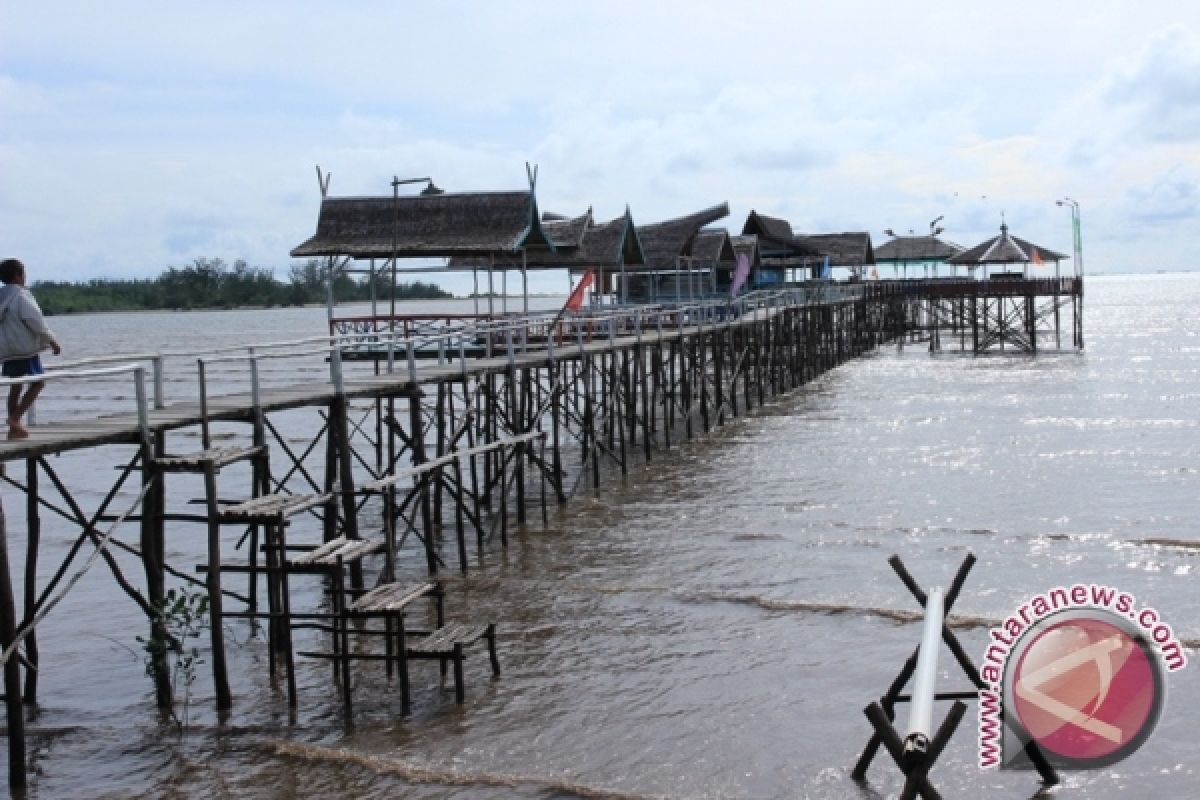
pixel 511 334
pixel 139 386
pixel 155 359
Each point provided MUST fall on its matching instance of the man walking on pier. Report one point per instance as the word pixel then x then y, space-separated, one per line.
pixel 23 334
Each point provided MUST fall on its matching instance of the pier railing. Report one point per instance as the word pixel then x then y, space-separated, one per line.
pixel 138 371
pixel 454 338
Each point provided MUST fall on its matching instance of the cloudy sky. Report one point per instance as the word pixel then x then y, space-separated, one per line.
pixel 134 136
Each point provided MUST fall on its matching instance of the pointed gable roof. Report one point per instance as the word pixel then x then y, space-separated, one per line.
pixel 608 245
pixel 776 241
pixel 712 246
pixel 468 223
pixel 1005 249
pixel 771 229
pixel 664 242
pixel 566 231
pixel 613 243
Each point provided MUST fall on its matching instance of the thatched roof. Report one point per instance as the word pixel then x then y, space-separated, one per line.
pixel 608 245
pixel 612 244
pixel 916 248
pixel 664 242
pixel 843 249
pixel 712 246
pixel 777 243
pixel 474 223
pixel 566 231
pixel 769 230
pixel 1005 249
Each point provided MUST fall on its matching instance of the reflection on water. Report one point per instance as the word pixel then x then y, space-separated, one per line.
pixel 713 625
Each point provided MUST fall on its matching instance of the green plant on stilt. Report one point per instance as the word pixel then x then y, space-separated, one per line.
pixel 182 618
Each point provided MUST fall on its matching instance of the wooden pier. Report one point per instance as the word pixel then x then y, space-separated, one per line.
pixel 430 456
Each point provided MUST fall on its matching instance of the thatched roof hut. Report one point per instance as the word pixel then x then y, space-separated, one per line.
pixel 711 246
pixel 566 231
pixel 778 246
pixel 773 233
pixel 579 244
pixel 843 249
pixel 449 224
pixel 664 242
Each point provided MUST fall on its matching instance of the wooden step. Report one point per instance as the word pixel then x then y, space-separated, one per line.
pixel 216 457
pixel 391 597
pixel 443 640
pixel 347 550
pixel 272 507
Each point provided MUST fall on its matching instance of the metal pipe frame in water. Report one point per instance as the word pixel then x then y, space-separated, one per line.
pixel 920 712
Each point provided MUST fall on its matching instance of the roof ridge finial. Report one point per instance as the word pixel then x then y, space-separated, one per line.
pixel 1003 224
pixel 531 172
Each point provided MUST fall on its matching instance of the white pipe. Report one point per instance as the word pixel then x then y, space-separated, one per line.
pixel 920 708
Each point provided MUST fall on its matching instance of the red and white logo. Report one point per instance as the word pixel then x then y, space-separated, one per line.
pixel 1085 686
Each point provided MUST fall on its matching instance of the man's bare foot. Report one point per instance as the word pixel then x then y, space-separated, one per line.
pixel 17 431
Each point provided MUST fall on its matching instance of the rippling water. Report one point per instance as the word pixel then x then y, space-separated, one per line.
pixel 712 625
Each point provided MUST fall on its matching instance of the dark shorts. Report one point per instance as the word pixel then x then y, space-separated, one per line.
pixel 21 367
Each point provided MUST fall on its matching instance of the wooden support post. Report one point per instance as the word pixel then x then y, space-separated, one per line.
pixel 151 540
pixel 647 413
pixel 517 406
pixel 33 546
pixel 620 401
pixel 589 394
pixel 215 600
pixel 718 338
pixel 554 371
pixel 440 420
pixel 419 457
pixel 329 522
pixel 12 669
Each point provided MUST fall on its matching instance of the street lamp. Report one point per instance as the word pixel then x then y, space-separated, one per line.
pixel 397 182
pixel 934 230
pixel 1076 234
pixel 900 260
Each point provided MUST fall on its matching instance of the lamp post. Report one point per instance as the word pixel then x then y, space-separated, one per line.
pixel 934 230
pixel 1076 235
pixel 397 182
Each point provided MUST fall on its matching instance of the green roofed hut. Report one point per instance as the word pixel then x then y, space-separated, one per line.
pixel 926 253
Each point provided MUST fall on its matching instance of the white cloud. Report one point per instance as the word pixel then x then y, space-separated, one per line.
pixel 139 136
pixel 1161 86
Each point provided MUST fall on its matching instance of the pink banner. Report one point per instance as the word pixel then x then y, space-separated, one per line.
pixel 740 274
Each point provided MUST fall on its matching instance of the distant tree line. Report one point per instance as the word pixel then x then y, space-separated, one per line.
pixel 211 283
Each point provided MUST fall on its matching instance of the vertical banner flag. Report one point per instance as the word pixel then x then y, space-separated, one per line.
pixel 575 301
pixel 740 274
pixel 1036 257
pixel 826 272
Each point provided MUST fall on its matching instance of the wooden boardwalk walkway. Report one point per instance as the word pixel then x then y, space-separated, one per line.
pixel 123 428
